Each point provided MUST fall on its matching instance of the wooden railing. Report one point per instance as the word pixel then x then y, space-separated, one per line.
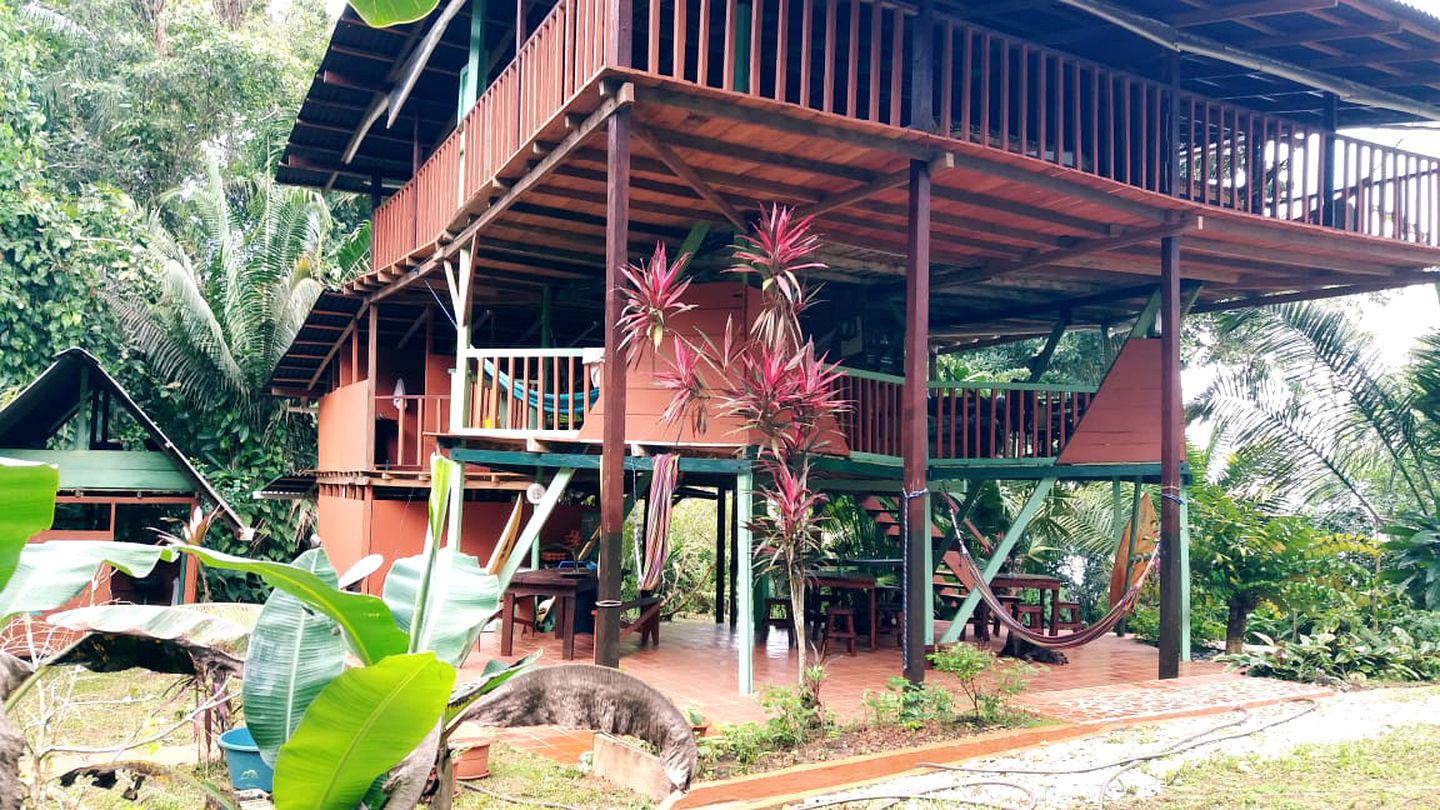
pixel 871 421
pixel 1003 420
pixel 966 420
pixel 562 55
pixel 851 58
pixel 417 418
pixel 531 391
pixel 1383 191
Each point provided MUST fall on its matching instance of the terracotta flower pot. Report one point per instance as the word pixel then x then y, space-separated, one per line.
pixel 701 730
pixel 472 759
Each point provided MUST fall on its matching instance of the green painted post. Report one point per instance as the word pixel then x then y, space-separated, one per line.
pixel 744 594
pixel 82 413
pixel 742 46
pixel 992 566
pixel 1184 576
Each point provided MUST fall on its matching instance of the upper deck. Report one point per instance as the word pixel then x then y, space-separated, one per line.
pixel 799 100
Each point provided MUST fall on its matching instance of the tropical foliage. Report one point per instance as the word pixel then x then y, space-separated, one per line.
pixel 769 379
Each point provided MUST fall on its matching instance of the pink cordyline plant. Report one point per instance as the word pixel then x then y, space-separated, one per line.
pixel 653 298
pixel 770 380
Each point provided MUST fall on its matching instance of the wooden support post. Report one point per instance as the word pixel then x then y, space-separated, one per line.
pixel 83 414
pixel 1172 451
pixel 1327 161
pixel 998 557
pixel 372 352
pixel 612 390
pixel 745 643
pixel 914 447
pixel 721 536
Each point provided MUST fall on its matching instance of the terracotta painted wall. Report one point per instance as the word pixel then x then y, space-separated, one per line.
pixel 645 402
pixel 1122 423
pixel 398 530
pixel 340 523
pixel 341 426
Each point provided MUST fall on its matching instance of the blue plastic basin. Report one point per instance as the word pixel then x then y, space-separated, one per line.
pixel 247 770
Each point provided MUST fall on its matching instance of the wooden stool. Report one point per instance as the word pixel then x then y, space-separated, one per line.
pixel 785 620
pixel 1032 616
pixel 1069 616
pixel 839 625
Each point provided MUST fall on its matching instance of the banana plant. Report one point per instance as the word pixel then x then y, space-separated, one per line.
pixel 364 736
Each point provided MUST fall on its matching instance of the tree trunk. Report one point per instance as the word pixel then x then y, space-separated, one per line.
pixel 797 617
pixel 1235 624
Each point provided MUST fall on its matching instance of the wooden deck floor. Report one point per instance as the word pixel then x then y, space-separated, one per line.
pixel 695 664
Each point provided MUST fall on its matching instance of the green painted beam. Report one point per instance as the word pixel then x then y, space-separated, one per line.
pixel 1184 577
pixel 530 535
pixel 122 470
pixel 997 559
pixel 583 461
pixel 745 588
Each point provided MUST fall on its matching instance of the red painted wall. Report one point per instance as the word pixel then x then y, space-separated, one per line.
pixel 341 427
pixel 1122 424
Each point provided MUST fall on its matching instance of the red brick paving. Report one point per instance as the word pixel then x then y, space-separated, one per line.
pixel 695 665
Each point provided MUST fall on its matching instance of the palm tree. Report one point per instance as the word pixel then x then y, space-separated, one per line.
pixel 237 277
pixel 1344 430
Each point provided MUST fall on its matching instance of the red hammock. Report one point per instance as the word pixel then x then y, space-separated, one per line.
pixel 974 579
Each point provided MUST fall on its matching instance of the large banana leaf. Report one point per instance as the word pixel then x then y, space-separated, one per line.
pixel 442 597
pixel 294 654
pixel 460 600
pixel 51 574
pixel 357 728
pixel 27 507
pixel 385 13
pixel 181 639
pixel 369 629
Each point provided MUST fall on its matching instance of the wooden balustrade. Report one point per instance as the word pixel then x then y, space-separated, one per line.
pixel 966 420
pixel 530 390
pixel 850 58
pixel 417 419
pixel 871 423
pixel 562 56
pixel 1008 421
pixel 1383 191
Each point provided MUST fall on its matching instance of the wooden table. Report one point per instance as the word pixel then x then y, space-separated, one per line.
pixel 564 585
pixel 849 582
pixel 1039 582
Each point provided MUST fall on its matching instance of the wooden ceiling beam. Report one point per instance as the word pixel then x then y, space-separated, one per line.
pixel 1323 35
pixel 691 177
pixel 1370 60
pixel 1174 39
pixel 1088 247
pixel 1243 11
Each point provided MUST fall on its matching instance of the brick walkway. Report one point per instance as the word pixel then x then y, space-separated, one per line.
pixel 1194 694
pixel 1111 679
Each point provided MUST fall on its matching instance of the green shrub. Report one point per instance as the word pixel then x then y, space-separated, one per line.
pixel 907 705
pixel 1358 655
pixel 985 681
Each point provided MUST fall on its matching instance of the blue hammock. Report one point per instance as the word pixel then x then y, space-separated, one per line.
pixel 553 403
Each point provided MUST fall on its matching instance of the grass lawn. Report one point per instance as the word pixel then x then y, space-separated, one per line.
pixel 533 778
pixel 1399 770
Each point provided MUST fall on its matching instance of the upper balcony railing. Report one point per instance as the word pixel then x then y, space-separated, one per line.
pixel 529 392
pixel 851 58
pixel 966 420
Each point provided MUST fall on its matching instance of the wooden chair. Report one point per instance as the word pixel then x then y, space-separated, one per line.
pixel 779 615
pixel 839 626
pixel 1069 618
pixel 1032 616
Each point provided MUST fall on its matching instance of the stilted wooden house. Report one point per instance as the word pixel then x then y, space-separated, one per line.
pixel 980 172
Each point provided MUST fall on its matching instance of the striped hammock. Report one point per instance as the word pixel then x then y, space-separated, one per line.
pixel 650 555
